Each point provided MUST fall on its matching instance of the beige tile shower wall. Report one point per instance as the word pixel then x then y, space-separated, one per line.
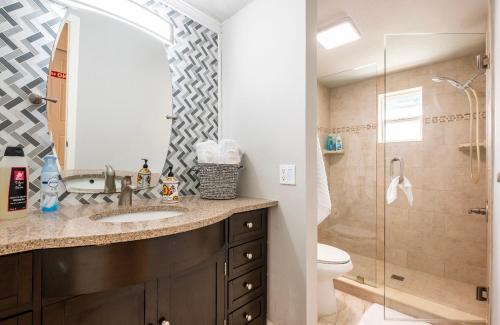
pixel 323 113
pixel 437 235
pixel 352 224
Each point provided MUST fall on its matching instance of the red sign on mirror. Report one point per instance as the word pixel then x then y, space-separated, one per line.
pixel 57 74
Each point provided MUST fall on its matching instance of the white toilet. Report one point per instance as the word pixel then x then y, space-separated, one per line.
pixel 332 263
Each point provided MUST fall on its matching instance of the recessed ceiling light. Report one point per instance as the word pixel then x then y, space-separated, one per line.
pixel 339 34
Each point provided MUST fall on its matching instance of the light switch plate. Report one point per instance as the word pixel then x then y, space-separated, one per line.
pixel 287 174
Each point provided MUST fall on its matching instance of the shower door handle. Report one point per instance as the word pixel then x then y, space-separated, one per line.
pixel 481 211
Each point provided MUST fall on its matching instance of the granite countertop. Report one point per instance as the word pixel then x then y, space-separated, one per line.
pixel 74 225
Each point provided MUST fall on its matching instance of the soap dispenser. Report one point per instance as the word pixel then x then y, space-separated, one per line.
pixel 144 175
pixel 170 191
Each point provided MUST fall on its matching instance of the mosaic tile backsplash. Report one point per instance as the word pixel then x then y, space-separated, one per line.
pixel 28 29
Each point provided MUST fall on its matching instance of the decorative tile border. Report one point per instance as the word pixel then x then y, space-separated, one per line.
pixel 452 118
pixel 356 129
pixel 28 29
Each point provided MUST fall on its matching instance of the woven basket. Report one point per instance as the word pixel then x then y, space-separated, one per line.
pixel 218 181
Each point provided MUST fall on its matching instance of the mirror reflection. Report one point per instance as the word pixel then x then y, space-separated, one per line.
pixel 111 85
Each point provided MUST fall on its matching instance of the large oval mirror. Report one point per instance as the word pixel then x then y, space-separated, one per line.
pixel 113 89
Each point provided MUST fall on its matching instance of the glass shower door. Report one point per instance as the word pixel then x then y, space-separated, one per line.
pixel 432 118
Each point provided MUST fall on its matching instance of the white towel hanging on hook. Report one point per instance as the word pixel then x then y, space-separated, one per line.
pixel 398 182
pixel 405 186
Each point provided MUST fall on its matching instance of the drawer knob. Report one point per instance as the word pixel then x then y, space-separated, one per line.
pixel 249 286
pixel 249 224
pixel 165 322
pixel 249 256
pixel 248 317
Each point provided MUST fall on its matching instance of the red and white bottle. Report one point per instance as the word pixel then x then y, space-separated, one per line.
pixel 13 184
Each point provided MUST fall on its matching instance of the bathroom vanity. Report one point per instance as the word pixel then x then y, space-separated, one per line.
pixel 205 266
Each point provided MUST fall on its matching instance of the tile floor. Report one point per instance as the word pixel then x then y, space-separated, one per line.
pixel 350 309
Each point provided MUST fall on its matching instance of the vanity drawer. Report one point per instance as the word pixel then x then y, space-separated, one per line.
pixel 247 225
pixel 15 283
pixel 252 313
pixel 246 257
pixel 245 288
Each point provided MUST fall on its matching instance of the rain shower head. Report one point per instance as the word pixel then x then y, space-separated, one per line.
pixel 452 82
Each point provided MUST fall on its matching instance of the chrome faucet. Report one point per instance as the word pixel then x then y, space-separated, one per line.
pixel 109 180
pixel 125 199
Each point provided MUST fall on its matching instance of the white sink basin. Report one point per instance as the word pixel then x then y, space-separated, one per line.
pixel 140 216
pixel 89 184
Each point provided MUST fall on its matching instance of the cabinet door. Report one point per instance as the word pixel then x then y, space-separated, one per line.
pixel 194 296
pixel 25 319
pixel 124 306
pixel 15 284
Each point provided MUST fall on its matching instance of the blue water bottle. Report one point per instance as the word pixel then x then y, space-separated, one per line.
pixel 50 185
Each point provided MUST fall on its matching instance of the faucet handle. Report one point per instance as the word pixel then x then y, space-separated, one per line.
pixel 127 182
pixel 109 169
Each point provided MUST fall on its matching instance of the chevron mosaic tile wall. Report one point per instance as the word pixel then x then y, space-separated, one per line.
pixel 28 29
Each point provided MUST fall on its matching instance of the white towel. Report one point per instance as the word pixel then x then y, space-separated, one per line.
pixel 324 202
pixel 230 152
pixel 207 152
pixel 392 190
pixel 226 152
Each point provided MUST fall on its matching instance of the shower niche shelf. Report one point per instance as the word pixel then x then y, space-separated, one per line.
pixel 465 146
pixel 332 152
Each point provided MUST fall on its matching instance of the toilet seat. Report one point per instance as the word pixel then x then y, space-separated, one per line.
pixel 332 255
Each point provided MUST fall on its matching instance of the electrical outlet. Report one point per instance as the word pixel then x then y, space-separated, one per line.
pixel 287 174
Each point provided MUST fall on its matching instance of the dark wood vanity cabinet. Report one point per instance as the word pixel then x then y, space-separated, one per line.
pixel 214 275
pixel 16 278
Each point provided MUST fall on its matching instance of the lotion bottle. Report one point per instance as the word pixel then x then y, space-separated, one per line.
pixel 13 184
pixel 170 191
pixel 144 176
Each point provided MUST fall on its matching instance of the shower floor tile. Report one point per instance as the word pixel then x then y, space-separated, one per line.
pixel 453 294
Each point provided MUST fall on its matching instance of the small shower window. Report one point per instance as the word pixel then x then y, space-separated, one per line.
pixel 400 116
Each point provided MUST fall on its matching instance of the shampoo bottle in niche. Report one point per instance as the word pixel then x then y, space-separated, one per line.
pixel 339 146
pixel 13 184
pixel 144 175
pixel 330 142
pixel 170 191
pixel 49 199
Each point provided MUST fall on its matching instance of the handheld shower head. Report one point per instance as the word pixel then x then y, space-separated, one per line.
pixel 437 79
pixel 452 82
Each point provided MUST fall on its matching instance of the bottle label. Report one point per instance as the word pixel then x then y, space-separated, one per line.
pixel 143 180
pixel 18 189
pixel 170 192
pixel 50 182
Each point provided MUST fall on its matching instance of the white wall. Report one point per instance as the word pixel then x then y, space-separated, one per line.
pixel 495 217
pixel 268 106
pixel 124 94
